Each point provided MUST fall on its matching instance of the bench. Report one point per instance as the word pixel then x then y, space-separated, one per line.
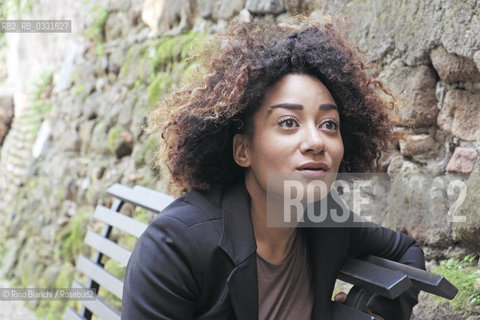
pixel 140 197
pixel 370 276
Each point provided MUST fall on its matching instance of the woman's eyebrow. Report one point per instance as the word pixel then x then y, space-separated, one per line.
pixel 328 106
pixel 295 106
pixel 291 106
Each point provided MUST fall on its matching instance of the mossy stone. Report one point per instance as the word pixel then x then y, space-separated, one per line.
pixel 99 138
pixel 468 232
pixel 119 142
pixel 10 256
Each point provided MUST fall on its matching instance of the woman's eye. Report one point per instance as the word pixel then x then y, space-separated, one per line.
pixel 329 125
pixel 288 123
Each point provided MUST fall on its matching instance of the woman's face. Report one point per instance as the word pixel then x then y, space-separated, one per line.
pixel 296 132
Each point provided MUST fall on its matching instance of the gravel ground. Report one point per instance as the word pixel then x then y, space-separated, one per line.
pixel 14 310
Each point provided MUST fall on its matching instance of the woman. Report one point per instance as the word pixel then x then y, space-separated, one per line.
pixel 276 100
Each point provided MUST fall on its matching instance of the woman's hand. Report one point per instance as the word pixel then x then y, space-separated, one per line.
pixel 342 297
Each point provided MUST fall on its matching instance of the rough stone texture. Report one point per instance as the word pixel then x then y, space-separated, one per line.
pixel 460 115
pixel 69 141
pixel 219 9
pixel 416 28
pixel 476 59
pixel 137 67
pixel 85 135
pixel 428 309
pixel 303 6
pixel 415 89
pixel 168 17
pixel 418 204
pixel 423 144
pixel 117 23
pixel 264 6
pixel 463 160
pixel 122 145
pixel 10 258
pixel 6 115
pixel 453 68
pixel 116 59
pixel 151 13
pixel 468 232
pixel 99 141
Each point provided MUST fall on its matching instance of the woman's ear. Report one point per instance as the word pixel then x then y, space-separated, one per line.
pixel 241 150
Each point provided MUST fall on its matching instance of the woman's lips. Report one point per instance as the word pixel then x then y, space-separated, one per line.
pixel 313 169
pixel 312 172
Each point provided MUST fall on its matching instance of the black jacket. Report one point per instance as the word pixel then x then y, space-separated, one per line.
pixel 198 261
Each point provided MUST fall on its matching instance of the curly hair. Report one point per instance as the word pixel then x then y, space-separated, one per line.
pixel 202 118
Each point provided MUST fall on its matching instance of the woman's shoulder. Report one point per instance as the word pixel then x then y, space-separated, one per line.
pixel 191 210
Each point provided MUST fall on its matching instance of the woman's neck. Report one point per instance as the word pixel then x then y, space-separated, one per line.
pixel 273 243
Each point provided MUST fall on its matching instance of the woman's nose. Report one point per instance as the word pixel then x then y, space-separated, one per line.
pixel 312 141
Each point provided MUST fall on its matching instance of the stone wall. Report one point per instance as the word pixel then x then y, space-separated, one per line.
pixel 6 115
pixel 79 125
pixel 428 55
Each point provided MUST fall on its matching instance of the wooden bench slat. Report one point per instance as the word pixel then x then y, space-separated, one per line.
pixel 71 314
pixel 382 281
pixel 151 200
pixel 421 279
pixel 107 247
pixel 100 275
pixel 161 201
pixel 120 221
pixel 98 306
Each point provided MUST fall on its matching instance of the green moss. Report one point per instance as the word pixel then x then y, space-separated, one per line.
pixel 114 139
pixel 96 32
pixel 137 84
pixel 60 193
pixel 100 15
pixel 141 215
pixel 155 62
pixel 135 62
pixel 463 275
pixel 170 62
pixel 150 150
pixel 79 89
pixel 146 155
pixel 160 84
pixel 71 237
pixel 15 9
pixel 126 64
pixel 41 104
pixel 41 83
pixel 172 49
pixel 30 274
pixel 74 78
pixel 54 309
pixel 99 49
pixel 70 246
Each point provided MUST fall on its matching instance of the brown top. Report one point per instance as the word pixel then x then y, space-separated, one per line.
pixel 284 289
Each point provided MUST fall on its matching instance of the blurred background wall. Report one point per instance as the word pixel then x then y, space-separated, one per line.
pixel 73 110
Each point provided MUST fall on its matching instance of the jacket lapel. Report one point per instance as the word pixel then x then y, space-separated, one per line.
pixel 328 250
pixel 243 285
pixel 328 247
pixel 238 242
